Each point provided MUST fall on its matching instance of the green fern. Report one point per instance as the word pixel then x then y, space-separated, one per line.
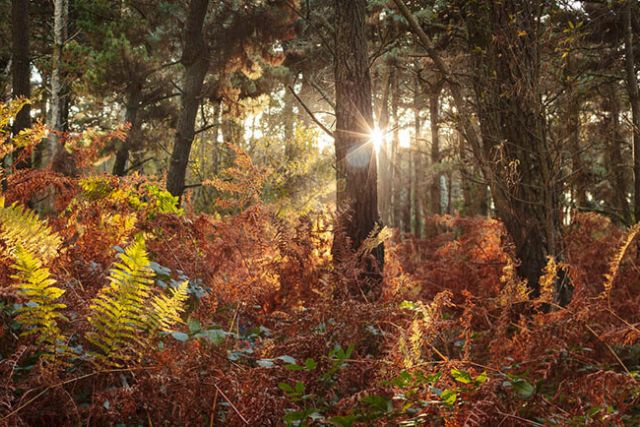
pixel 40 314
pixel 166 310
pixel 118 318
pixel 21 227
pixel 126 316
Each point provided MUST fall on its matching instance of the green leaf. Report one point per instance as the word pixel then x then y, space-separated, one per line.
pixel 449 397
pixel 461 376
pixel 194 325
pixel 524 389
pixel 285 387
pixel 265 363
pixel 215 336
pixel 180 336
pixel 481 378
pixel 287 359
pixel 294 367
pixel 343 420
pixel 310 364
pixel 379 403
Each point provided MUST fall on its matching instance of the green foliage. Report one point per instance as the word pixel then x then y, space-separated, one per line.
pixel 21 228
pixel 121 321
pixel 147 197
pixel 41 313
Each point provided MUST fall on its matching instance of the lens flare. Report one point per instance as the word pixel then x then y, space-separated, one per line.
pixel 376 137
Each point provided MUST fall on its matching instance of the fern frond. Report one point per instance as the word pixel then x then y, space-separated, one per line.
pixel 548 281
pixel 40 315
pixel 119 317
pixel 21 227
pixel 166 310
pixel 615 263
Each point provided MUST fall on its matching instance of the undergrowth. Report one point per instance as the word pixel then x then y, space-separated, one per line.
pixel 120 309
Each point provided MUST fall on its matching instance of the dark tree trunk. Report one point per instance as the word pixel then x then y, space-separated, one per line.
pixel 357 199
pixel 572 134
pixel 195 59
pixel 20 67
pixel 616 164
pixel 131 117
pixel 513 153
pixel 634 98
pixel 524 182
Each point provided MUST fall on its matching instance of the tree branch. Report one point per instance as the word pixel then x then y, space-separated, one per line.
pixel 313 117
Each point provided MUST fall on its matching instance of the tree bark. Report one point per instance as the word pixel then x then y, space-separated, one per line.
pixel 384 159
pixel 634 99
pixel 55 117
pixel 357 199
pixel 396 153
pixel 131 117
pixel 616 167
pixel 20 67
pixel 434 117
pixel 572 134
pixel 418 166
pixel 195 59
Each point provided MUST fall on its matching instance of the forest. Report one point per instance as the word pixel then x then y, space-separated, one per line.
pixel 319 213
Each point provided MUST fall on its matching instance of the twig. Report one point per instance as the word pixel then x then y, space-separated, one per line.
pixel 533 423
pixel 214 406
pixel 224 396
pixel 313 117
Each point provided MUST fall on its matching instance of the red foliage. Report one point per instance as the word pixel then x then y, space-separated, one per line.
pixel 263 271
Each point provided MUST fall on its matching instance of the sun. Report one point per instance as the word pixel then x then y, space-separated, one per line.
pixel 376 136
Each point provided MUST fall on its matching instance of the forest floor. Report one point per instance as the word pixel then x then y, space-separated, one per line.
pixel 274 334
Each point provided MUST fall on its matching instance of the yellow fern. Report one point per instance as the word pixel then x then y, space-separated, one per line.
pixel 21 227
pixel 126 315
pixel 119 310
pixel 40 315
pixel 166 310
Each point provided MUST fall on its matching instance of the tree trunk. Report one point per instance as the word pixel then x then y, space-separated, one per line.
pixel 215 153
pixel 434 117
pixel 195 59
pixel 504 38
pixel 357 199
pixel 20 67
pixel 634 98
pixel 616 166
pixel 384 159
pixel 572 134
pixel 418 172
pixel 406 207
pixel 131 117
pixel 396 154
pixel 55 118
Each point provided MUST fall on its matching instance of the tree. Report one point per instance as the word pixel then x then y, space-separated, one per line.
pixel 634 96
pixel 511 147
pixel 56 115
pixel 21 65
pixel 195 59
pixel 357 198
